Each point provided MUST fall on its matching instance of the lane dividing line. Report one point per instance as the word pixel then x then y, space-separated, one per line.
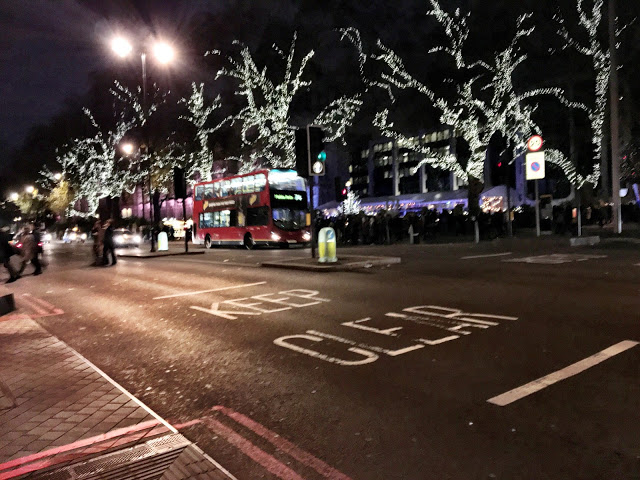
pixel 208 291
pixel 486 256
pixel 578 367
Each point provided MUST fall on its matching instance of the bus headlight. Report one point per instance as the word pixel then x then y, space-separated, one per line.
pixel 306 236
pixel 275 237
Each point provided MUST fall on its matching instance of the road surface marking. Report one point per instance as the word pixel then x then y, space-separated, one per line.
pixel 250 303
pixel 390 332
pixel 269 462
pixel 486 256
pixel 209 291
pixel 555 259
pixel 42 308
pixel 453 320
pixel 45 455
pixel 578 367
pixel 369 357
pixel 284 445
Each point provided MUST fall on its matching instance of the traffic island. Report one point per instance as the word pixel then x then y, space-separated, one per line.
pixel 344 263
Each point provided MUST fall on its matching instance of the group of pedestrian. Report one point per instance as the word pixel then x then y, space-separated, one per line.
pixel 29 251
pixel 103 244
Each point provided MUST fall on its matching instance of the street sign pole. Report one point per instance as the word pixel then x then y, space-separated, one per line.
pixel 312 227
pixel 537 209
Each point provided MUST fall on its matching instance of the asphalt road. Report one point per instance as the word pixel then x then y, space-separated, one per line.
pixel 378 374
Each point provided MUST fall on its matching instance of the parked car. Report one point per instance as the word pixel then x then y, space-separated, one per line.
pixel 126 238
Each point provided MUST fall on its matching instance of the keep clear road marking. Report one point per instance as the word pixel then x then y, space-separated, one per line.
pixel 578 367
pixel 486 256
pixel 209 291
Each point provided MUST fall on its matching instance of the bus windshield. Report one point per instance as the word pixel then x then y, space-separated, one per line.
pixel 289 218
pixel 286 180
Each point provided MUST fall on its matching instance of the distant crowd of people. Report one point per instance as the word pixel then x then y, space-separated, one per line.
pixel 389 226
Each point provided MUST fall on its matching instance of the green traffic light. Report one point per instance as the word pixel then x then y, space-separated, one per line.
pixel 322 156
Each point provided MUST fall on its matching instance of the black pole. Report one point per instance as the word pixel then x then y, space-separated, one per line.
pixel 184 218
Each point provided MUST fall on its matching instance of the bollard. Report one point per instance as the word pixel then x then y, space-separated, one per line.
pixel 327 246
pixel 163 242
pixel 322 245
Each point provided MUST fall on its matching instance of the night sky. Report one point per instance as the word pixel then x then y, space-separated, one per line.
pixel 49 49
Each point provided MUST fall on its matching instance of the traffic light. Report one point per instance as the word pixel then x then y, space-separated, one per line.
pixel 317 154
pixel 302 154
pixel 340 189
pixel 179 183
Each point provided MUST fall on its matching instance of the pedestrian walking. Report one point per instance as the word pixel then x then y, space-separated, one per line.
pixel 97 233
pixel 29 252
pixel 108 246
pixel 6 252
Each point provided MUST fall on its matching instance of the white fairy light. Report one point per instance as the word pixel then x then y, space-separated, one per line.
pixel 200 160
pixel 350 205
pixel 265 119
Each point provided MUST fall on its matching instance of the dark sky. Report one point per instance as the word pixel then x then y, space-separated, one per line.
pixel 48 48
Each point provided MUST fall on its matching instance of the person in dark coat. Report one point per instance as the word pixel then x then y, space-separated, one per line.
pixel 108 245
pixel 6 252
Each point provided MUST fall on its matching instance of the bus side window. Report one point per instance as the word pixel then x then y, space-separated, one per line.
pixel 217 189
pixel 199 190
pixel 259 182
pixel 208 192
pixel 257 217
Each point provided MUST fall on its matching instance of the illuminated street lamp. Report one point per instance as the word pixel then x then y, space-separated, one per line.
pixel 164 54
pixel 13 196
pixel 29 189
pixel 121 47
pixel 57 177
pixel 127 148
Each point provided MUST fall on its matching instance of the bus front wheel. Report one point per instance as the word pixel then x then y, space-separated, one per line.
pixel 248 241
pixel 207 242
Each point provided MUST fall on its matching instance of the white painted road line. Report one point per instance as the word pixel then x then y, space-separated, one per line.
pixel 578 367
pixel 486 256
pixel 208 291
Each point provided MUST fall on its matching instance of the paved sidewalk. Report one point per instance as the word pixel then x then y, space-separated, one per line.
pixel 60 412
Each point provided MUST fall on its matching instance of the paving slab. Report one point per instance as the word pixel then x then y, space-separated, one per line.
pixel 59 411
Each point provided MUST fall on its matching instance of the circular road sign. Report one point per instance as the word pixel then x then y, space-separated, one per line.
pixel 318 167
pixel 534 143
pixel 535 166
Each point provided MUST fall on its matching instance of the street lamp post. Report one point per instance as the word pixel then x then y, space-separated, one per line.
pixel 164 54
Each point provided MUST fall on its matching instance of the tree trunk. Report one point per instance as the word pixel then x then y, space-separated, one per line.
pixel 473 202
pixel 156 207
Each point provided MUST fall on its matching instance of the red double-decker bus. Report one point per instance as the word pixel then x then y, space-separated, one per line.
pixel 265 207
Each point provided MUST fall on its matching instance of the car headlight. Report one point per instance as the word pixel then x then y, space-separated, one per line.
pixel 306 236
pixel 47 237
pixel 275 237
pixel 83 236
pixel 72 236
pixel 137 239
pixel 119 240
